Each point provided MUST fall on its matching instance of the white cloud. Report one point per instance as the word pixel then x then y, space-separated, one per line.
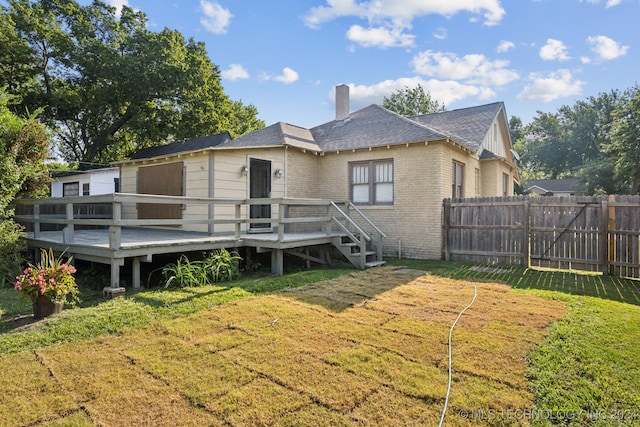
pixel 390 18
pixel 554 50
pixel 555 85
pixel 379 37
pixel 216 18
pixel 118 5
pixel 440 33
pixel 443 91
pixel 606 48
pixel 504 46
pixel 609 3
pixel 288 76
pixel 472 68
pixel 235 72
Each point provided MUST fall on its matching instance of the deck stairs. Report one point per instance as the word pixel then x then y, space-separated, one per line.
pixel 358 239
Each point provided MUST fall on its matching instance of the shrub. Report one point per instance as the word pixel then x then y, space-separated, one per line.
pixel 11 249
pixel 217 266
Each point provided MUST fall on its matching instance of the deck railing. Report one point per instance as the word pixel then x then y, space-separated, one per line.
pixel 285 214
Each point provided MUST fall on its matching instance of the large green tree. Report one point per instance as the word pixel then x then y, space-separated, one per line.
pixel 410 102
pixel 572 142
pixel 624 146
pixel 108 85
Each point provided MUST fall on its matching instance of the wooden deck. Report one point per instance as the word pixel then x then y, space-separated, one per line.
pixel 116 239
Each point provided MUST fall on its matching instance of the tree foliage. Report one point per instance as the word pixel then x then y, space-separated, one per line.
pixel 411 102
pixel 625 141
pixel 592 140
pixel 23 149
pixel 108 85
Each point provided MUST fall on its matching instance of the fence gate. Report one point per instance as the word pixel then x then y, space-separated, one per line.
pixel 600 234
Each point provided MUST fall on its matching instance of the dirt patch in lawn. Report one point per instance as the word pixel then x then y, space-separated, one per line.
pixel 365 349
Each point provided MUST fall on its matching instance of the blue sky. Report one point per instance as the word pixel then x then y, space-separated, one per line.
pixel 286 56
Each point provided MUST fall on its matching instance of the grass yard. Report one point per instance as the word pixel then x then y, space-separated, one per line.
pixel 358 348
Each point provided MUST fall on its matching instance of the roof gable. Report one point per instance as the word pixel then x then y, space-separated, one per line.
pixel 277 134
pixel 468 126
pixel 370 127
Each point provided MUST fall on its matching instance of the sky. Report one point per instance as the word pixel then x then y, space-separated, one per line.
pixel 285 57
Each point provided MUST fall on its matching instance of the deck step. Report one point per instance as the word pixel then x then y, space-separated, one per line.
pixel 350 245
pixel 373 264
pixel 367 253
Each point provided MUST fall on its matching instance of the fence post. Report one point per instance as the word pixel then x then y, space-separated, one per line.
pixel 525 237
pixel 611 231
pixel 604 237
pixel 447 228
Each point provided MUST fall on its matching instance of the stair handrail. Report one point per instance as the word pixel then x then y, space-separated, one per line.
pixel 368 221
pixel 346 230
pixel 366 235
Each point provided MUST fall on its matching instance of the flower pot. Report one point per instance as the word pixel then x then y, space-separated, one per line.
pixel 44 307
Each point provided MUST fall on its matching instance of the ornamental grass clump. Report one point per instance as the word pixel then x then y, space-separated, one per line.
pixel 50 278
pixel 217 266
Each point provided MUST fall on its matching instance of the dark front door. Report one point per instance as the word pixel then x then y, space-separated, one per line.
pixel 260 188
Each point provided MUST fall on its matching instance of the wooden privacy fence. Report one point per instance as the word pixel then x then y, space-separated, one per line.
pixel 592 233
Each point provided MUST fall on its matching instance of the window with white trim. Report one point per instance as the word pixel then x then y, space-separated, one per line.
pixel 457 180
pixel 85 189
pixel 371 182
pixel 70 189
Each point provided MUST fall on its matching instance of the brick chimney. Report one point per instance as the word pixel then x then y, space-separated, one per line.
pixel 342 102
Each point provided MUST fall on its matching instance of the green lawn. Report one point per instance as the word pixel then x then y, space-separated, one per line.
pixel 96 316
pixel 586 371
pixel 589 365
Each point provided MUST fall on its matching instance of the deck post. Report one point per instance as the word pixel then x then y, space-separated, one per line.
pixel 135 273
pixel 281 215
pixel 115 231
pixel 327 226
pixel 67 233
pixel 36 223
pixel 115 273
pixel 238 224
pixel 277 262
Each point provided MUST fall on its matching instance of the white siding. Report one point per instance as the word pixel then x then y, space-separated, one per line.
pixel 100 182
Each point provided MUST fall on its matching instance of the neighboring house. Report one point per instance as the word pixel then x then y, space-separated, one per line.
pixel 75 183
pixel 397 170
pixel 555 187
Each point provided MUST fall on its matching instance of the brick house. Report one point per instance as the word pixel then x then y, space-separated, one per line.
pixel 397 170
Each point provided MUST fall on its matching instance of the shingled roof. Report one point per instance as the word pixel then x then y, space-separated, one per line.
pixel 182 146
pixel 277 134
pixel 468 126
pixel 566 185
pixel 372 126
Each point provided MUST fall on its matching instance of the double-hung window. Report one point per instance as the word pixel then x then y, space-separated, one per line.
pixel 457 180
pixel 371 182
pixel 505 184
